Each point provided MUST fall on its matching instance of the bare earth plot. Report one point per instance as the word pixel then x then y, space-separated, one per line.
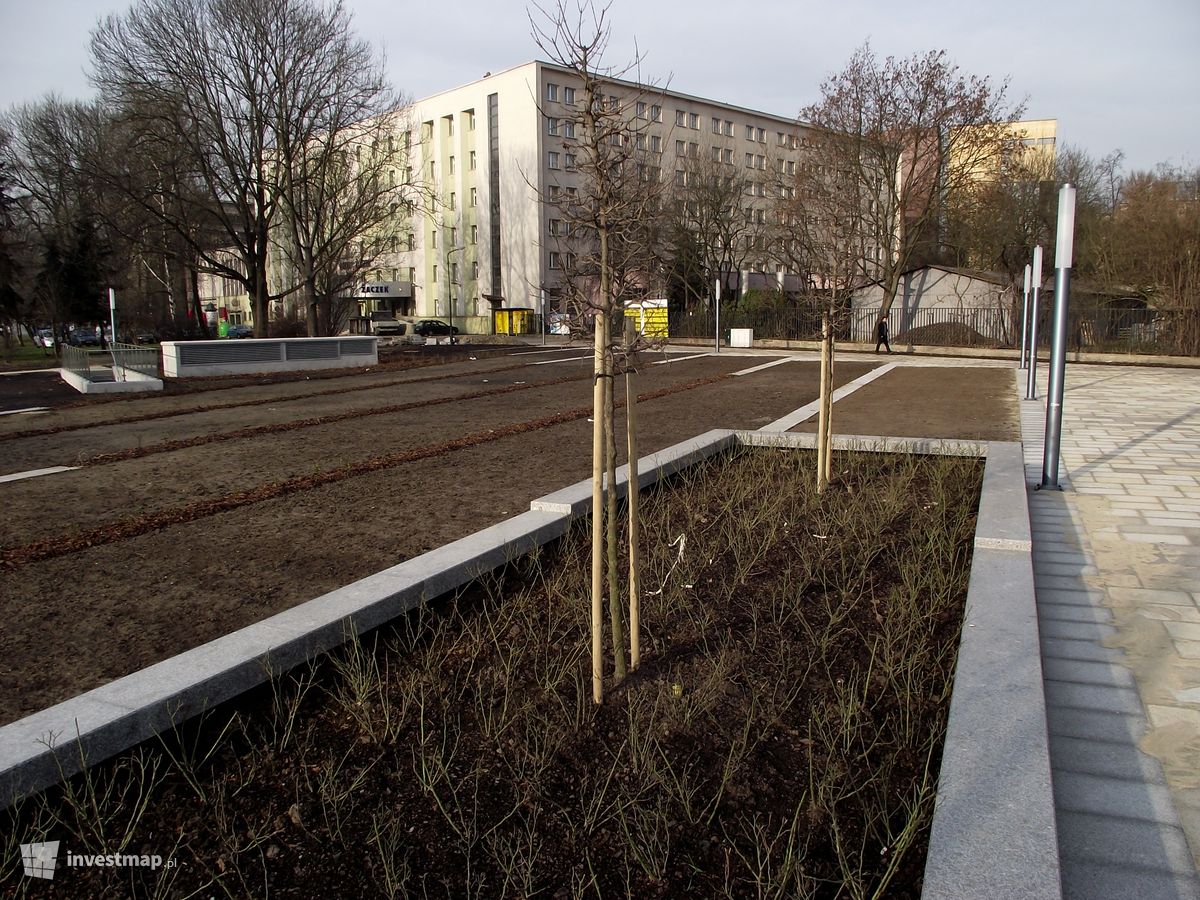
pixel 132 558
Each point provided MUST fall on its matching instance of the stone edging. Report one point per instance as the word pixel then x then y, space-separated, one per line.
pixel 993 833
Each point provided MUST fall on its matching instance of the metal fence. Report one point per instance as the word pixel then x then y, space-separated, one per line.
pixel 98 365
pixel 1097 330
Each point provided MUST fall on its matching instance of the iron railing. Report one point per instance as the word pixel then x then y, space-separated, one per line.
pixel 1098 330
pixel 98 365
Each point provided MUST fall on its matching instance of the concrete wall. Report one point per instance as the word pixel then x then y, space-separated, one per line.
pixel 183 359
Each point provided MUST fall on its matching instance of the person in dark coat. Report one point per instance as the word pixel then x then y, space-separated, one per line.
pixel 881 333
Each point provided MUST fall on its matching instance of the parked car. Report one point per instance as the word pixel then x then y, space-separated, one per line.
pixel 145 337
pixel 44 337
pixel 83 337
pixel 429 327
pixel 240 331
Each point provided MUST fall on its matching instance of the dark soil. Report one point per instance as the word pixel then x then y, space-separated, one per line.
pixel 780 738
pixel 124 600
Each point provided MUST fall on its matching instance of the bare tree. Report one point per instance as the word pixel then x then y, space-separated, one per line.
pixel 605 233
pixel 251 99
pixel 336 126
pixel 718 227
pixel 901 136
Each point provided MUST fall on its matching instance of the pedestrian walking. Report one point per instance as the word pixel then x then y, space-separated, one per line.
pixel 881 333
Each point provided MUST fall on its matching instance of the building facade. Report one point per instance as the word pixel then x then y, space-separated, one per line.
pixel 493 160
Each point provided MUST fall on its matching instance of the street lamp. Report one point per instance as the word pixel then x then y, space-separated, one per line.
pixel 450 282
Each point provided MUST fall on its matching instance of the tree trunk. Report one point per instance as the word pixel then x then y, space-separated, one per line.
pixel 822 411
pixel 601 326
pixel 829 405
pixel 635 557
pixel 610 460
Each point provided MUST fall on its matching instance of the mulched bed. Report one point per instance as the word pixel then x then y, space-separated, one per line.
pixel 781 737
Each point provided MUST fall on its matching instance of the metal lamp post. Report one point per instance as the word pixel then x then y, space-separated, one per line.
pixel 1063 249
pixel 717 332
pixel 1031 385
pixel 1025 318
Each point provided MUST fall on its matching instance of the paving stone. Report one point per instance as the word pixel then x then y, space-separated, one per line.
pixel 1077 631
pixel 1088 672
pixel 1074 612
pixel 1147 846
pixel 1090 879
pixel 1108 759
pixel 1060 648
pixel 1090 696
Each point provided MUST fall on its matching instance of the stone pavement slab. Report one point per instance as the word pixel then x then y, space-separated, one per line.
pixel 1116 566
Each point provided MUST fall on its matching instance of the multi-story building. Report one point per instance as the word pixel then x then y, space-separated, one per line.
pixel 495 157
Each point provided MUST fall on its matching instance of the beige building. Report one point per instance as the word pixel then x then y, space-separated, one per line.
pixel 496 156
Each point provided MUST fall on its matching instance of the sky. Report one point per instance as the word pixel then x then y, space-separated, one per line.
pixel 1116 75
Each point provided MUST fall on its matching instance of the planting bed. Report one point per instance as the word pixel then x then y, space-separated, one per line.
pixel 160 553
pixel 781 738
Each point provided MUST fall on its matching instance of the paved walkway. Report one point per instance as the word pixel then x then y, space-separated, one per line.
pixel 1117 573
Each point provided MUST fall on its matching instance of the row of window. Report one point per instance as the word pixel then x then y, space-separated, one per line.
pixel 553 92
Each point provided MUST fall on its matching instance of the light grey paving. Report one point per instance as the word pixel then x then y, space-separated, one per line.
pixel 1116 558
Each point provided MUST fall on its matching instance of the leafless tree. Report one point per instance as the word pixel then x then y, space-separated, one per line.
pixel 606 211
pixel 239 94
pixel 901 135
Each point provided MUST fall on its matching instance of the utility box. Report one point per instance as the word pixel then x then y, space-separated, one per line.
pixel 741 337
pixel 650 316
pixel 513 320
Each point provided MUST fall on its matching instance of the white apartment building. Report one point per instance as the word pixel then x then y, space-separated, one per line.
pixel 491 153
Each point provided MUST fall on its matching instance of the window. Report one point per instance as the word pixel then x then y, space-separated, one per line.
pixel 555 260
pixel 572 193
pixel 728 155
pixel 716 154
pixel 655 143
pixel 474 196
pixel 749 160
pixel 791 167
pixel 568 128
pixel 680 148
pixel 474 234
pixel 782 138
pixel 453 237
pixel 470 120
pixel 762 135
pixel 762 162
pixel 412 274
pixel 640 141
pixel 435 278
pixel 454 273
pixel 552 158
pixel 656 113
pixel 471 161
pixel 412 241
pixel 681 118
pixel 453 197
pixel 552 92
pixel 728 128
pixel 749 132
pixel 551 125
pixel 693 121
pixel 432 170
pixel 616 139
pixel 640 109
pixel 552 227
pixel 452 165
pixel 693 150
pixel 569 96
pixel 433 241
pixel 570 161
pixel 475 270
pixel 679 176
pixel 391 177
pixel 716 125
pixel 614 104
pixel 450 125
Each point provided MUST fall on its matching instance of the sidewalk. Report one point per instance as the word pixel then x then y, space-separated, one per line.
pixel 1117 575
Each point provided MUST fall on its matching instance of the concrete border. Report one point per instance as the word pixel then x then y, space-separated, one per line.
pixel 994 832
pixel 252 356
pixel 134 382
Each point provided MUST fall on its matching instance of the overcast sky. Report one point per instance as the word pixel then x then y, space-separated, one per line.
pixel 1116 75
